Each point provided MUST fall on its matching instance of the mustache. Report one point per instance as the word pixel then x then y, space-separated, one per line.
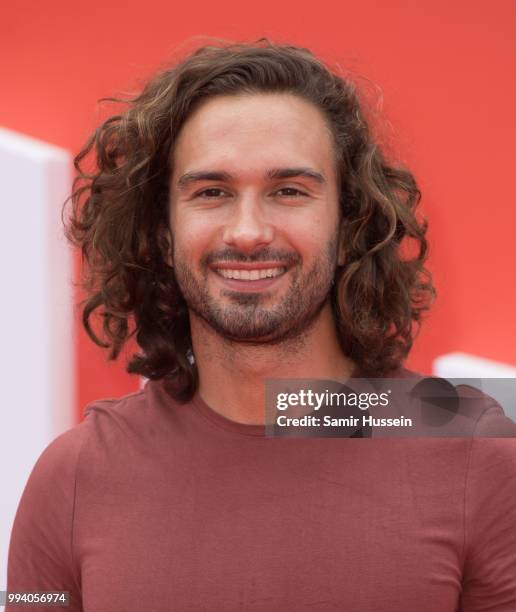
pixel 288 257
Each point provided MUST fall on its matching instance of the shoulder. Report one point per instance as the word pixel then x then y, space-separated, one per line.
pixel 75 460
pixel 111 417
pixel 58 461
pixel 491 421
pixel 111 430
pixel 121 406
pixel 133 419
pixel 493 447
pixel 487 413
pixel 104 421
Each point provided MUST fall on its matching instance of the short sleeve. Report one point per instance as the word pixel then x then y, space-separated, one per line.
pixel 40 554
pixel 490 516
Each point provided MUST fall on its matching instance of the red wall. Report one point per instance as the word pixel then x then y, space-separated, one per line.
pixel 446 70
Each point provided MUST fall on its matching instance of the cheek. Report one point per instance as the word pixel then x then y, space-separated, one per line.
pixel 311 238
pixel 191 240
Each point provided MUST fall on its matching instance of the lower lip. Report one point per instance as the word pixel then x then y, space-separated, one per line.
pixel 249 285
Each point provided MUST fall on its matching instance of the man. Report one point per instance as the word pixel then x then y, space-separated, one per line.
pixel 244 225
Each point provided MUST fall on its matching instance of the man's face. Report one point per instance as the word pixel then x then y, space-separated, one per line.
pixel 254 215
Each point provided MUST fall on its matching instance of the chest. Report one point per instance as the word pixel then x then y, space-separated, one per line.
pixel 318 535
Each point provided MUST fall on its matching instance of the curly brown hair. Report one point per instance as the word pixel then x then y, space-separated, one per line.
pixel 119 215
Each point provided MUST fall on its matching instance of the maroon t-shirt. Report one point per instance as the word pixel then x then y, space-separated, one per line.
pixel 151 505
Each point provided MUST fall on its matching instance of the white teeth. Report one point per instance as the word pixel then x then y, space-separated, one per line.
pixel 250 274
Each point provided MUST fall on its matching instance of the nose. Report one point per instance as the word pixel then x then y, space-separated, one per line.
pixel 248 229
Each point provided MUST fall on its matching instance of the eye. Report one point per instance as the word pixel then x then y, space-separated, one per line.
pixel 211 193
pixel 290 192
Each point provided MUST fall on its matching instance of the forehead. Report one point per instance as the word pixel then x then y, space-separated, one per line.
pixel 252 132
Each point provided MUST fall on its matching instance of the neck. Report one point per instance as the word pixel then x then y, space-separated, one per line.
pixel 232 375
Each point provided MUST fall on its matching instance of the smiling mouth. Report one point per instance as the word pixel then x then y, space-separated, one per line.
pixel 250 274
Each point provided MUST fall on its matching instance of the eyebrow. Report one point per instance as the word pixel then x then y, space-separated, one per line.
pixel 275 173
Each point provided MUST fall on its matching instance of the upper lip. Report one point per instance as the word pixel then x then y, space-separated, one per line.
pixel 238 265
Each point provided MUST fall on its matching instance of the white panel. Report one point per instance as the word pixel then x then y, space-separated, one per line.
pixel 36 326
pixel 460 365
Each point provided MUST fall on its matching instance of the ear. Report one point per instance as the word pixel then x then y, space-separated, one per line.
pixel 170 252
pixel 165 242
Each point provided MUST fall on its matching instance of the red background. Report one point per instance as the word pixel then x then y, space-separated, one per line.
pixel 445 71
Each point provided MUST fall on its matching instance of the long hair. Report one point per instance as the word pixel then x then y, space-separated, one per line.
pixel 119 215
